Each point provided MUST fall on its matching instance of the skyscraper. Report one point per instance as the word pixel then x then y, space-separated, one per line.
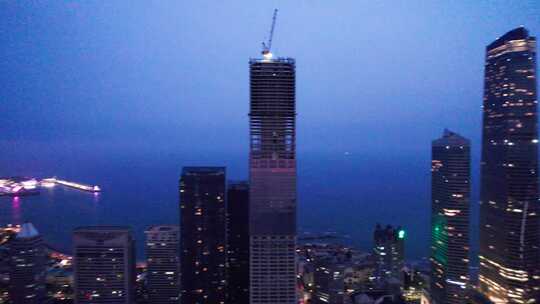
pixel 104 265
pixel 272 173
pixel 238 242
pixel 27 266
pixel 450 193
pixel 163 264
pixel 389 251
pixel 510 212
pixel 203 256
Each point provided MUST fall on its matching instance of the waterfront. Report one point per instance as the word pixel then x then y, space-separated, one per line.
pixel 349 194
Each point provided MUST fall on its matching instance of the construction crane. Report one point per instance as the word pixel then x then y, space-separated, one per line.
pixel 268 46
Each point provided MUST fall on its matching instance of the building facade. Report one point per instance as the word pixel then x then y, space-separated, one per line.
pixel 509 251
pixel 328 281
pixel 104 265
pixel 450 195
pixel 203 255
pixel 163 264
pixel 272 173
pixel 389 251
pixel 238 242
pixel 27 266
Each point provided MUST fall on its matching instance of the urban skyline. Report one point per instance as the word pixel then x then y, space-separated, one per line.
pixel 281 266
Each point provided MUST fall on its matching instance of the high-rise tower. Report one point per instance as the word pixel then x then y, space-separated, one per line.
pixel 272 173
pixel 450 193
pixel 389 251
pixel 163 264
pixel 104 265
pixel 203 256
pixel 510 211
pixel 27 266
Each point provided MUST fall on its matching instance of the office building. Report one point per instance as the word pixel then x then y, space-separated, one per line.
pixel 27 266
pixel 509 250
pixel 163 264
pixel 203 256
pixel 329 280
pixel 389 251
pixel 450 194
pixel 104 265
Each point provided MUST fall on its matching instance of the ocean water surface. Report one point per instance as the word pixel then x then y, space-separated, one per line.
pixel 346 193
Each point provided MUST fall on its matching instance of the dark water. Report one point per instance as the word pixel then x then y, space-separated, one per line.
pixel 347 194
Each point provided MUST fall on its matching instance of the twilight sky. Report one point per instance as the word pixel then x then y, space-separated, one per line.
pixel 372 76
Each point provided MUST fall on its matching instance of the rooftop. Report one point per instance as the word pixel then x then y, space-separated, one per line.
pixel 515 34
pixel 27 231
pixel 450 138
pixel 102 228
pixel 206 170
pixel 286 60
pixel 162 228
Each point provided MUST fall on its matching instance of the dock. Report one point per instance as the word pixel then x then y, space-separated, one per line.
pixel 83 187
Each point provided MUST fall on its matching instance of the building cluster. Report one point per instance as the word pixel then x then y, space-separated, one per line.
pixel 337 274
pixel 333 273
pixel 509 249
pixel 237 241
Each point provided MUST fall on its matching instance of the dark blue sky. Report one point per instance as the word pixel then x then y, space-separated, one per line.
pixel 372 76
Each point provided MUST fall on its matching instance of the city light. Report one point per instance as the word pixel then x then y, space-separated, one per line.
pixel 241 241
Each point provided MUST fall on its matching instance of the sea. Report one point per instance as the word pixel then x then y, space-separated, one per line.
pixel 345 193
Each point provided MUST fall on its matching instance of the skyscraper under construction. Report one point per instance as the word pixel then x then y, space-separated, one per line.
pixel 272 172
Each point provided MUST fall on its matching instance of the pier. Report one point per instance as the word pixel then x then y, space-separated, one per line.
pixel 77 186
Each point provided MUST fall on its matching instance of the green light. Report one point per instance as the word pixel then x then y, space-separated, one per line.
pixel 401 234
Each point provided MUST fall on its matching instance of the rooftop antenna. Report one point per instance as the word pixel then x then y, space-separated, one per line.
pixel 268 46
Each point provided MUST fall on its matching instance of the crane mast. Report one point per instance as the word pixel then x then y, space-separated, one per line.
pixel 268 46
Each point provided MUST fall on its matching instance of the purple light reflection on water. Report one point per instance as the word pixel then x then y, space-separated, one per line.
pixel 16 210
